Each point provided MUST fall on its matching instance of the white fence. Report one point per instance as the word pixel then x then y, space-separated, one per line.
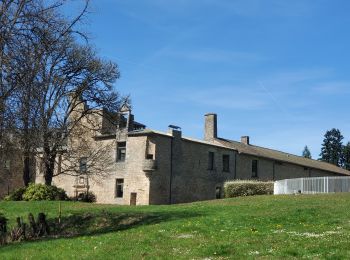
pixel 312 185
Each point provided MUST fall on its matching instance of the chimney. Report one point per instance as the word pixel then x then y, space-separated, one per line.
pixel 210 127
pixel 245 140
pixel 175 131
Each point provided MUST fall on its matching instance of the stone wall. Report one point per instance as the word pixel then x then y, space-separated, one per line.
pixel 11 172
pixel 272 170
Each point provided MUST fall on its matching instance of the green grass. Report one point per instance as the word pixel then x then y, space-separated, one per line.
pixel 314 226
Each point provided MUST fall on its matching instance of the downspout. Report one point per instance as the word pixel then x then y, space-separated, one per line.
pixel 171 170
pixel 235 173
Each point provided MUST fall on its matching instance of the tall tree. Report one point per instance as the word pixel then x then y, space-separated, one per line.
pixel 69 75
pixel 346 156
pixel 306 152
pixel 332 147
pixel 18 20
pixel 48 72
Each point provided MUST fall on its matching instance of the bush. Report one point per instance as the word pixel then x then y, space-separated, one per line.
pixel 16 195
pixel 87 197
pixel 247 188
pixel 44 192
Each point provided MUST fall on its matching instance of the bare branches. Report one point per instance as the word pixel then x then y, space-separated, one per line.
pixel 53 82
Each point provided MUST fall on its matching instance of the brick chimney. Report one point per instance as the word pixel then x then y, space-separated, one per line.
pixel 245 140
pixel 210 127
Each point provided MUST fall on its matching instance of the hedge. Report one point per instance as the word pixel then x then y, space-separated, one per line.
pixel 247 188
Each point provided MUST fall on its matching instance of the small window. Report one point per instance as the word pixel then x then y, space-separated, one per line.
pixel 211 164
pixel 119 186
pixel 121 151
pixel 255 168
pixel 7 164
pixel 225 163
pixel 83 165
pixel 81 180
pixel 149 156
pixel 218 192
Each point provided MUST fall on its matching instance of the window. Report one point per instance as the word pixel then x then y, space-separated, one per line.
pixel 211 158
pixel 119 185
pixel 81 180
pixel 7 164
pixel 255 168
pixel 225 163
pixel 121 150
pixel 83 164
pixel 149 156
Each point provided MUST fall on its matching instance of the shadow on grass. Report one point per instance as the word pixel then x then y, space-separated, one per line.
pixel 102 222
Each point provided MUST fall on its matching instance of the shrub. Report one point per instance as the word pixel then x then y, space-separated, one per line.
pixel 247 188
pixel 16 195
pixel 44 192
pixel 87 197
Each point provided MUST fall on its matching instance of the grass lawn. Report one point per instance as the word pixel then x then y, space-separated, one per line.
pixel 312 226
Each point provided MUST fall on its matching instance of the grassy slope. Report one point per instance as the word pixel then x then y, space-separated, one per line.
pixel 316 226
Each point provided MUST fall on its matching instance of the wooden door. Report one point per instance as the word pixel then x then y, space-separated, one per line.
pixel 133 196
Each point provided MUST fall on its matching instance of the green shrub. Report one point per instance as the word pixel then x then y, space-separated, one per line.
pixel 87 197
pixel 247 188
pixel 44 192
pixel 16 195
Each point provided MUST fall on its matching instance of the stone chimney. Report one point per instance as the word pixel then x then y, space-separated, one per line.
pixel 175 131
pixel 245 140
pixel 210 127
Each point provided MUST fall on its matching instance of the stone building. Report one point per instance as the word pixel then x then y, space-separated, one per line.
pixel 11 173
pixel 11 166
pixel 151 167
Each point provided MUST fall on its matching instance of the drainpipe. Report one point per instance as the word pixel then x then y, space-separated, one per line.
pixel 171 169
pixel 235 173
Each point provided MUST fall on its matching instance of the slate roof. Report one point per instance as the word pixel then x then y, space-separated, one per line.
pixel 281 156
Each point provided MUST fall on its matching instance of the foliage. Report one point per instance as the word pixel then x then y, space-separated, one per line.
pixel 16 195
pixel 43 192
pixel 306 152
pixel 346 156
pixel 332 147
pixel 247 188
pixel 87 197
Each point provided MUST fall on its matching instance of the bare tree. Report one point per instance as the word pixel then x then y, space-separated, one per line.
pixel 49 75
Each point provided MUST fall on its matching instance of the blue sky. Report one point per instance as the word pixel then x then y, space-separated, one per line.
pixel 275 70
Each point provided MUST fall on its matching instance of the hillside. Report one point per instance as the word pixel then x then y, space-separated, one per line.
pixel 316 226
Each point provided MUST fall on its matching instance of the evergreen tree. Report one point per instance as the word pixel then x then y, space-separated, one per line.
pixel 332 147
pixel 306 152
pixel 346 156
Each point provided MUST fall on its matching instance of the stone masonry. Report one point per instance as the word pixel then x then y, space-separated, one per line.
pixel 152 167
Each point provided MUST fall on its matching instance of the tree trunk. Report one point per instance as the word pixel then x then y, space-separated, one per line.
pixel 26 170
pixel 50 168
pixel 49 159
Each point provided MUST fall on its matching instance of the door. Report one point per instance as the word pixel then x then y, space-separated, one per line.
pixel 133 196
pixel 218 192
